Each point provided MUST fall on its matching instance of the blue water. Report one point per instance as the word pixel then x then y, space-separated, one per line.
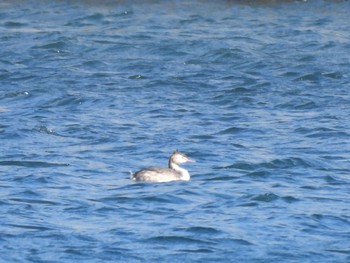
pixel 257 93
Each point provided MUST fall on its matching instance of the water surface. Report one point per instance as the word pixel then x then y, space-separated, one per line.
pixel 256 93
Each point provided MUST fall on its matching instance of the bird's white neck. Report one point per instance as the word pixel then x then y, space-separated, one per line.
pixel 185 176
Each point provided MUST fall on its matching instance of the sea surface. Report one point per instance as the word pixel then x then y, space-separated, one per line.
pixel 257 92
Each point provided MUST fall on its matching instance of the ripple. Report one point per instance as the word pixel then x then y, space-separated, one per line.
pixel 333 181
pixel 138 76
pixel 200 230
pixel 240 166
pixel 298 105
pixel 32 164
pixel 54 45
pixel 290 199
pixel 249 204
pixel 34 201
pixel 165 199
pixel 220 178
pixel 67 100
pixel 202 137
pixel 200 250
pixel 231 130
pixel 176 240
pixel 46 130
pixel 16 94
pixel 238 90
pixel 258 174
pixel 314 77
pixel 31 227
pixel 14 24
pixel 287 163
pixel 332 222
pixel 223 55
pixel 333 75
pixel 268 197
pixel 342 251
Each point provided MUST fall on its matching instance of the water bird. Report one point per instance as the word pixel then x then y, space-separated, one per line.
pixel 173 173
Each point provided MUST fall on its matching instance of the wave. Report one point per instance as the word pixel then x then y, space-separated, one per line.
pixel 32 164
pixel 284 163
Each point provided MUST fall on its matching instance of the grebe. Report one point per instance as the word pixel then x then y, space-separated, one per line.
pixel 173 173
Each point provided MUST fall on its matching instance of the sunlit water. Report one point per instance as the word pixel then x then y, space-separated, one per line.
pixel 257 94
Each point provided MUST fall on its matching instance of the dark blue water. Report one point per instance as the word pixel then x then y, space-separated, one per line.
pixel 258 94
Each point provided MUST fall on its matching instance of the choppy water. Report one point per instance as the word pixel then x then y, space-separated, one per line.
pixel 258 94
